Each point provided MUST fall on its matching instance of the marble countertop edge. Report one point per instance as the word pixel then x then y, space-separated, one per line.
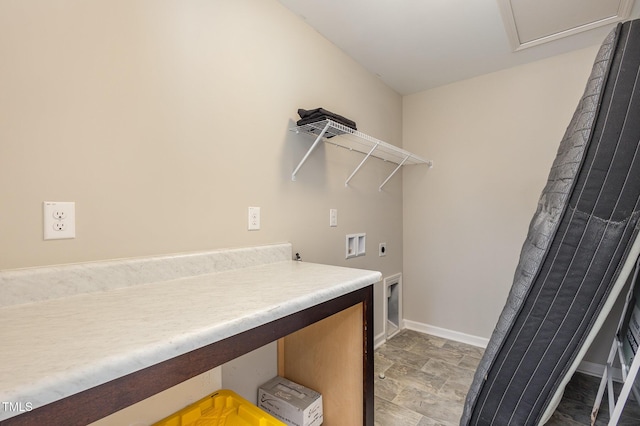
pixel 60 384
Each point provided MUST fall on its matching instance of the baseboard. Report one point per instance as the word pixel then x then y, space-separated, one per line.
pixel 379 340
pixel 447 334
pixel 597 370
pixel 586 367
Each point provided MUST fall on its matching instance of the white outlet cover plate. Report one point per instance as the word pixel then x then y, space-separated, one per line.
pixel 59 220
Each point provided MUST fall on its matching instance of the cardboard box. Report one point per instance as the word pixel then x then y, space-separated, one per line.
pixel 290 402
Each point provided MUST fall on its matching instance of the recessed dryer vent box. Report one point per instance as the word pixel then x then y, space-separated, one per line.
pixel 356 245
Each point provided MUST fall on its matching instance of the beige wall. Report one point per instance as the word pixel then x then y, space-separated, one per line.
pixel 165 120
pixel 493 139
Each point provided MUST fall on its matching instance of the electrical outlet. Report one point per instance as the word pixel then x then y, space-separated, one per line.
pixel 59 214
pixel 59 220
pixel 254 219
pixel 382 249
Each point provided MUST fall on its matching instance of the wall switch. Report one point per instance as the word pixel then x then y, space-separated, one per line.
pixel 382 249
pixel 333 217
pixel 59 220
pixel 254 218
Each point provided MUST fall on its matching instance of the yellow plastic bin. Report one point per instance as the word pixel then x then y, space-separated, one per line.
pixel 221 408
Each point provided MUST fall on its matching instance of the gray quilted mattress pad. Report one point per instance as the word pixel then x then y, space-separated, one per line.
pixel 580 236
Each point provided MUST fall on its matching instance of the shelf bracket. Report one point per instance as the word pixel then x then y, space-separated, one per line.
pixel 346 183
pixel 315 144
pixel 394 172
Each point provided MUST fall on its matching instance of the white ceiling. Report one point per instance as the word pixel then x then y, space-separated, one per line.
pixel 414 45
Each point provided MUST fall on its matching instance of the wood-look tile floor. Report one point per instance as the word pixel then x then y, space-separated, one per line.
pixel 426 379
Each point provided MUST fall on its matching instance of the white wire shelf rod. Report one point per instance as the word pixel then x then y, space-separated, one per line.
pixel 346 183
pixel 315 144
pixel 393 172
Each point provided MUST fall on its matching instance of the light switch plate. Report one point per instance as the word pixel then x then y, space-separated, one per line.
pixel 333 217
pixel 254 218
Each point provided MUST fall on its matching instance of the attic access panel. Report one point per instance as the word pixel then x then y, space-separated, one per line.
pixel 532 22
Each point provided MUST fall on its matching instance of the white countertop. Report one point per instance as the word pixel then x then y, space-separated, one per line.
pixel 54 348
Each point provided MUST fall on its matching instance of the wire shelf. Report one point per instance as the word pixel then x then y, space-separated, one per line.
pixel 345 137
